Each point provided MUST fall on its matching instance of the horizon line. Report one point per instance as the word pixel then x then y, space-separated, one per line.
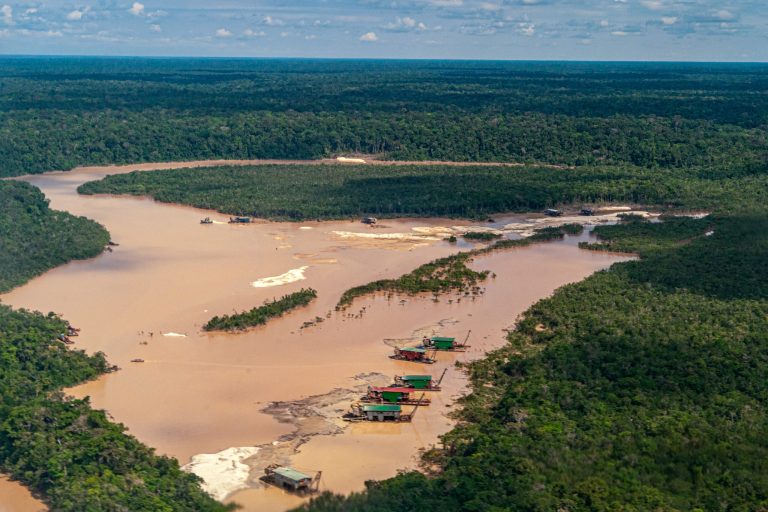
pixel 390 59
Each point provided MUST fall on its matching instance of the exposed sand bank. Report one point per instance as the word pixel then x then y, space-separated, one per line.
pixel 224 472
pixel 209 392
pixel 293 275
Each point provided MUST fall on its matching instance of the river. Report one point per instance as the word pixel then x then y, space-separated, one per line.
pixel 199 393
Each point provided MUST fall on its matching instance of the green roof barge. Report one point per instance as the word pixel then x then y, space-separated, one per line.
pixel 444 344
pixel 381 412
pixel 292 480
pixel 420 382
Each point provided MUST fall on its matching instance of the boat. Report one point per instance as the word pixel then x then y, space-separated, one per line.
pixel 415 355
pixel 381 412
pixel 292 480
pixel 137 360
pixel 444 344
pixel 393 395
pixel 239 220
pixel 552 212
pixel 420 382
pixel 206 220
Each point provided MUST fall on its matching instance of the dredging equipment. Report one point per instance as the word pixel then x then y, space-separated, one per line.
pixel 414 355
pixel 444 344
pixel 393 395
pixel 420 382
pixel 382 412
pixel 292 480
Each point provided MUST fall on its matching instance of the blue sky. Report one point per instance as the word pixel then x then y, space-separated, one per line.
pixel 709 30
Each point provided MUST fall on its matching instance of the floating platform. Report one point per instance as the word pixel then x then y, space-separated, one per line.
pixel 414 355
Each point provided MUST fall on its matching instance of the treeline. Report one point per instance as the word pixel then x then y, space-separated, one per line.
pixel 259 315
pixel 298 192
pixel 723 93
pixel 36 141
pixel 34 238
pixel 61 448
pixel 640 388
pixel 58 113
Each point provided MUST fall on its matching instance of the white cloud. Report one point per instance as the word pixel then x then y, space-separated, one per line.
pixel 155 28
pixel 222 32
pixel 527 29
pixel 7 14
pixel 310 37
pixel 489 6
pixel 619 33
pixel 669 20
pixel 137 9
pixel 369 37
pixel 724 14
pixel 654 5
pixel 75 15
pixel 272 22
pixel 604 23
pixel 253 33
pixel 446 3
pixel 405 24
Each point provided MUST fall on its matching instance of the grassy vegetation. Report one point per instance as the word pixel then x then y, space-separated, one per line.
pixel 481 236
pixel 641 388
pixel 259 315
pixel 34 238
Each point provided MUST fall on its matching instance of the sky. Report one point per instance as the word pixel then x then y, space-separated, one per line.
pixel 687 30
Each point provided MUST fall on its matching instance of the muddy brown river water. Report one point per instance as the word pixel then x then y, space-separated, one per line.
pixel 199 393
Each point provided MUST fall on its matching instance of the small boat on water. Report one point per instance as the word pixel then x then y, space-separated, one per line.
pixel 206 220
pixel 239 220
pixel 137 360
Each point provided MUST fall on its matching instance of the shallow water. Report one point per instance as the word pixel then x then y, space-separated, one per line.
pixel 203 393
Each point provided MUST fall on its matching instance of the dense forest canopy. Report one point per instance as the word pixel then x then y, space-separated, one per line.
pixel 34 238
pixel 299 192
pixel 57 113
pixel 641 388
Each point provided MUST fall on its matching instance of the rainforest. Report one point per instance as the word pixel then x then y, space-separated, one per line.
pixel 643 386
